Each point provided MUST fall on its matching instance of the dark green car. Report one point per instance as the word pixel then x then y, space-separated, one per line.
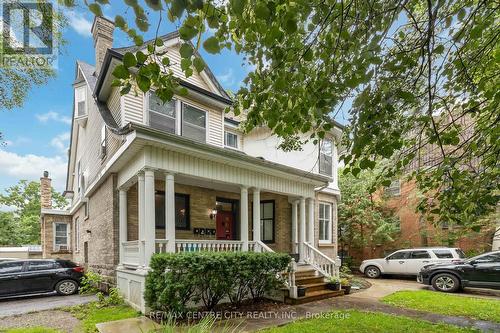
pixel 482 271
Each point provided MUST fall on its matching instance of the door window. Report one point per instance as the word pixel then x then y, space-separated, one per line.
pixel 443 254
pixel 398 255
pixel 11 267
pixel 422 254
pixel 488 259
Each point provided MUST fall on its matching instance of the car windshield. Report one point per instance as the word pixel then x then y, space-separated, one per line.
pixel 460 253
pixel 481 256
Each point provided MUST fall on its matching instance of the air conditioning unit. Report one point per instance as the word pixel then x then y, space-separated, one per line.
pixel 62 248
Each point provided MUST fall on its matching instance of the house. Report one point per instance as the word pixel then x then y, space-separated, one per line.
pixel 146 177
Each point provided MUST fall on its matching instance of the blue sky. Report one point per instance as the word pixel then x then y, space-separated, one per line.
pixel 37 134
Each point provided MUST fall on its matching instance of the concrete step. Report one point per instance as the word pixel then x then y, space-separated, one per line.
pixel 314 296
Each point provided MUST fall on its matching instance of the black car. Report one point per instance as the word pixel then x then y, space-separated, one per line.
pixel 35 276
pixel 482 271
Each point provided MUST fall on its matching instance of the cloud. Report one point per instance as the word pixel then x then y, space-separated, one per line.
pixel 54 116
pixel 60 142
pixel 227 79
pixel 31 167
pixel 79 23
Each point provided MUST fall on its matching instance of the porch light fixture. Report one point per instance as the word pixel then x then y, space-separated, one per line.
pixel 213 214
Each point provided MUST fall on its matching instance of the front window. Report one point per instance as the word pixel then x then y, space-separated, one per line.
pixel 267 221
pixel 162 116
pixel 325 222
pixel 181 210
pixel 230 140
pixel 61 236
pixel 326 157
pixel 194 123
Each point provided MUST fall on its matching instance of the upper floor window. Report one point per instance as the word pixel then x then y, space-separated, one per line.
pixel 77 234
pixel 103 141
pixel 326 157
pixel 80 105
pixel 230 140
pixel 162 116
pixel 194 123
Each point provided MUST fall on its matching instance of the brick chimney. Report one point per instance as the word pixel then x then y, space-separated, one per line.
pixel 102 31
pixel 46 191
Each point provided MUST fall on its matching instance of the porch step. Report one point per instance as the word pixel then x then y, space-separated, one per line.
pixel 314 296
pixel 304 273
pixel 315 286
pixel 305 280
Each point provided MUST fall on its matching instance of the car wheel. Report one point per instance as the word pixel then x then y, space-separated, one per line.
pixel 447 283
pixel 372 272
pixel 66 287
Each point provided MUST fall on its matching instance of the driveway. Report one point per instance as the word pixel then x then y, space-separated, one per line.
pixel 17 306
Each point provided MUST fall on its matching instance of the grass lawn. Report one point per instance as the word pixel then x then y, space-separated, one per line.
pixel 446 304
pixel 357 321
pixel 94 313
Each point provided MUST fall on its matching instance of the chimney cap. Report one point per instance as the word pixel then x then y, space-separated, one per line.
pixel 100 19
pixel 46 174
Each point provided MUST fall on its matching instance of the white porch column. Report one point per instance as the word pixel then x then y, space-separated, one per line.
pixel 310 222
pixel 170 212
pixel 244 217
pixel 256 214
pixel 302 228
pixel 149 215
pixel 122 206
pixel 294 239
pixel 140 199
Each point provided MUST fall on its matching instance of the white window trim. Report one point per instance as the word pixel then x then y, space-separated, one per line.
pixel 237 139
pixel 332 155
pixel 207 114
pixel 147 110
pixel 68 234
pixel 330 221
pixel 81 98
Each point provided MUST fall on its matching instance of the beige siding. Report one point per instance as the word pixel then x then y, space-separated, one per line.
pixel 114 105
pixel 175 65
pixel 133 104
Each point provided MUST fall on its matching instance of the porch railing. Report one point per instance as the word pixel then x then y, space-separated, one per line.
pixel 131 253
pixel 319 260
pixel 258 246
pixel 208 245
pixel 161 245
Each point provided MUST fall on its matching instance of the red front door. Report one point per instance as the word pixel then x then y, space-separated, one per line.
pixel 224 225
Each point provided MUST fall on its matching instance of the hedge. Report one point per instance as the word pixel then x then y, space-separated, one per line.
pixel 178 280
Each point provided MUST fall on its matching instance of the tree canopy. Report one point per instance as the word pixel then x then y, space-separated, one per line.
pixel 21 226
pixel 417 73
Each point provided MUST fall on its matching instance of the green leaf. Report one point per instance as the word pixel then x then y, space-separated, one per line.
pixel 154 4
pixel 143 82
pixel 165 61
pixel 141 57
pixel 185 64
pixel 262 12
pixel 237 6
pixel 211 45
pixel 95 8
pixel 129 60
pixel 120 72
pixel 177 8
pixel 199 64
pixel 120 22
pixel 186 50
pixel 187 32
pixel 290 25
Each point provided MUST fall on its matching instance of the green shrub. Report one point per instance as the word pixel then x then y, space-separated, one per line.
pixel 113 298
pixel 178 279
pixel 90 283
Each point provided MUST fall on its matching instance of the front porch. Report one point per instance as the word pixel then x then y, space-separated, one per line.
pixel 207 207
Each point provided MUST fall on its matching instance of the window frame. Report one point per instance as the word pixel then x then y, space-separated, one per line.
pixel 23 267
pixel 330 171
pixel 188 210
pixel 181 129
pixel 237 139
pixel 81 96
pixel 413 251
pixel 77 234
pixel 54 236
pixel 262 219
pixel 329 238
pixel 176 113
pixel 104 141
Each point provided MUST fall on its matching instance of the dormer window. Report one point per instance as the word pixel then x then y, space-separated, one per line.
pixel 326 157
pixel 80 105
pixel 162 116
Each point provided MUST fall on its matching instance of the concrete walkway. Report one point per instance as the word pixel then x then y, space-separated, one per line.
pixel 17 306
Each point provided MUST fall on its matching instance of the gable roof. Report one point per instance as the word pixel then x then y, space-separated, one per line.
pixel 170 36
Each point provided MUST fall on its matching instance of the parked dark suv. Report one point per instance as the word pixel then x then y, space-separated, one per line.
pixel 34 276
pixel 482 271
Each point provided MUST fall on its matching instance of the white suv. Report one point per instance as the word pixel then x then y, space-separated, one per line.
pixel 410 261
